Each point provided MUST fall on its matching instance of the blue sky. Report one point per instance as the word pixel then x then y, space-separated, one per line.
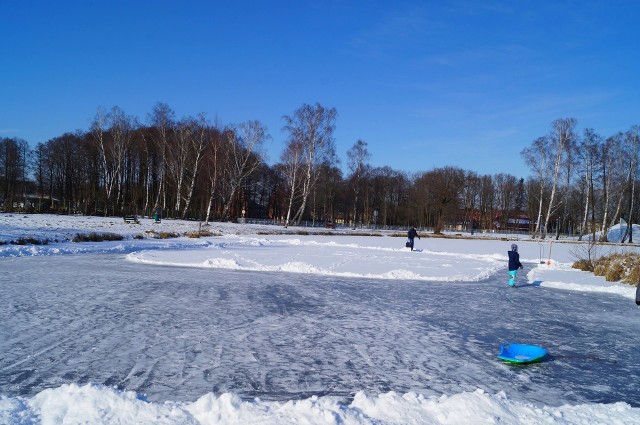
pixel 425 83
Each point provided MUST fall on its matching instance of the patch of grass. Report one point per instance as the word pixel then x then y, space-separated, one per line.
pixel 163 235
pixel 633 277
pixel 97 237
pixel 614 272
pixel 29 241
pixel 199 234
pixel 584 265
pixel 600 270
pixel 623 268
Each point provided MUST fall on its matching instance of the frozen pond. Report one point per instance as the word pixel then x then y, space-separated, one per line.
pixel 177 333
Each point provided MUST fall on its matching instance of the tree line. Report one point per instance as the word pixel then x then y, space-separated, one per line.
pixel 190 168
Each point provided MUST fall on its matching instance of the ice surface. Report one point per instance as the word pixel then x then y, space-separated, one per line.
pixel 280 329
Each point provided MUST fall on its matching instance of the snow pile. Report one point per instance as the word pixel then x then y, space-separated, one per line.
pixel 617 232
pixel 72 404
pixel 329 256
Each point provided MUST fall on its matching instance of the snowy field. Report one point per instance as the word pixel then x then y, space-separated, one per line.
pixel 248 326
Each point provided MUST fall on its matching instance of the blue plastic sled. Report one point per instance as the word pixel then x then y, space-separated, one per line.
pixel 521 353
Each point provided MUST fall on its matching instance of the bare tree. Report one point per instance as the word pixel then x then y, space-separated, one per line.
pixel 567 173
pixel 589 150
pixel 390 192
pixel 538 161
pixel 634 135
pixel 506 187
pixel 162 119
pixel 199 139
pixel 13 169
pixel 545 157
pixel 213 166
pixel 439 193
pixel 178 150
pixel 358 157
pixel 328 187
pixel 613 181
pixel 631 142
pixel 312 127
pixel 244 146
pixel 560 138
pixel 292 158
pixel 122 130
pixel 39 162
pixel 112 133
pixel 470 198
pixel 486 201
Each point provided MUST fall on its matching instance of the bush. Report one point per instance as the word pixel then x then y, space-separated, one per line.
pixel 199 234
pixel 163 235
pixel 614 272
pixel 599 270
pixel 584 265
pixel 623 268
pixel 97 237
pixel 29 241
pixel 633 277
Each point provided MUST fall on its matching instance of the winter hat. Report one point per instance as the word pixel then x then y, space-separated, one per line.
pixel 514 247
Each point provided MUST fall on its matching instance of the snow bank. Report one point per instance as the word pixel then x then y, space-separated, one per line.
pixel 72 404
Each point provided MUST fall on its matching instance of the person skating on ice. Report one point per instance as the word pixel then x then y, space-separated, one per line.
pixel 514 264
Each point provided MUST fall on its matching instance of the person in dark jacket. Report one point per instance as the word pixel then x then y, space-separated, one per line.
pixel 514 264
pixel 412 234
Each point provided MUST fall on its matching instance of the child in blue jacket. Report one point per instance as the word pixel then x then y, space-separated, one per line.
pixel 514 264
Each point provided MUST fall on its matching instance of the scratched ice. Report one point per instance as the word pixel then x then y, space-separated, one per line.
pixel 176 333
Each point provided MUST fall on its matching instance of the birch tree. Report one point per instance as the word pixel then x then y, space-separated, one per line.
pixel 212 165
pixel 162 119
pixel 560 138
pixel 312 127
pixel 98 130
pixel 631 142
pixel 122 130
pixel 568 173
pixel 623 170
pixel 536 158
pixel 611 180
pixel 244 146
pixel 590 146
pixel 292 158
pixel 112 133
pixel 198 139
pixel 358 157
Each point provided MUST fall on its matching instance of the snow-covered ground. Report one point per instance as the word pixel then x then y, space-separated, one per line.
pixel 341 256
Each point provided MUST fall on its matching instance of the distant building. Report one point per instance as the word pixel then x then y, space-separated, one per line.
pixel 514 222
pixel 35 202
